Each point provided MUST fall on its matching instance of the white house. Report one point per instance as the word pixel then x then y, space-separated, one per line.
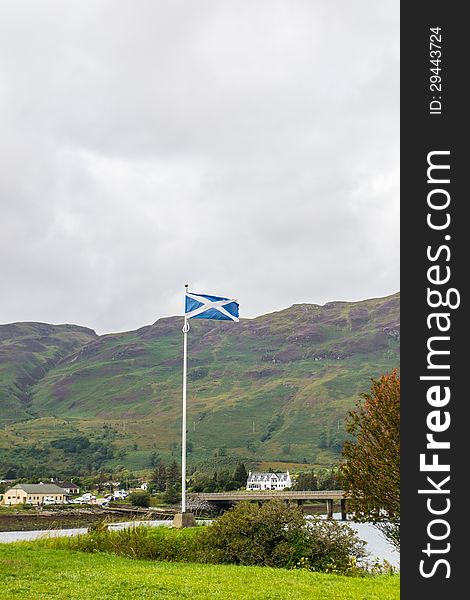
pixel 268 481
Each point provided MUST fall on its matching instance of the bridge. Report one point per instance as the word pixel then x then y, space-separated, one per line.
pixel 229 498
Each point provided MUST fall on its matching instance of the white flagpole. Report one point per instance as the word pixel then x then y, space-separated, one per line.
pixel 183 428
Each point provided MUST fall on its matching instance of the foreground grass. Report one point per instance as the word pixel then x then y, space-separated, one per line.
pixel 35 572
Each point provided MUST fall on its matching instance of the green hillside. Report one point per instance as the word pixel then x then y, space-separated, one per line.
pixel 273 388
pixel 27 352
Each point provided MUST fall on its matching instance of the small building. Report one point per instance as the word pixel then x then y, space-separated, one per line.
pixel 69 487
pixel 34 493
pixel 268 481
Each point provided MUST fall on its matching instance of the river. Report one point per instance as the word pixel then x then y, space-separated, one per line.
pixel 377 545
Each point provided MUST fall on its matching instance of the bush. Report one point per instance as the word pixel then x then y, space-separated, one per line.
pixel 139 499
pixel 332 543
pixel 140 542
pixel 276 535
pixel 272 535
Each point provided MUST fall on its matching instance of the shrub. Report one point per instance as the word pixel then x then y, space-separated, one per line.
pixel 140 542
pixel 272 535
pixel 332 543
pixel 139 499
pixel 276 535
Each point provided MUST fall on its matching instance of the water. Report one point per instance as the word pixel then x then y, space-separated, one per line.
pixel 22 536
pixel 377 545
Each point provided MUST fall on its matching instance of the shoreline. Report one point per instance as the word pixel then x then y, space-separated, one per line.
pixel 67 517
pixel 71 518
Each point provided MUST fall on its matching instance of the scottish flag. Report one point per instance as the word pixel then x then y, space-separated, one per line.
pixel 202 306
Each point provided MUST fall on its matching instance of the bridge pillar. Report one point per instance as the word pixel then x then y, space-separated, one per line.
pixel 329 509
pixel 343 509
pixel 300 502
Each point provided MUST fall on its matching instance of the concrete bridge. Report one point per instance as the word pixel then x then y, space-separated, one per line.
pixel 229 498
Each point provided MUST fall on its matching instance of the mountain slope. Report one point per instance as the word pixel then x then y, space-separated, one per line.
pixel 273 388
pixel 27 352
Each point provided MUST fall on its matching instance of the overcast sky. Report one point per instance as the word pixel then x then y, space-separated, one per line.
pixel 247 147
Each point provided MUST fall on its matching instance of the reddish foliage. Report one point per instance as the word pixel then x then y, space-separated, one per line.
pixel 371 473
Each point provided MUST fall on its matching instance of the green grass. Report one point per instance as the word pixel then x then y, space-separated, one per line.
pixel 34 573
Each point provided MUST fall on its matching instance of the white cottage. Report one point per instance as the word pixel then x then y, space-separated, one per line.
pixel 268 481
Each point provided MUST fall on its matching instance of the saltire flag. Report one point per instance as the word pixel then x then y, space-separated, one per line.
pixel 203 306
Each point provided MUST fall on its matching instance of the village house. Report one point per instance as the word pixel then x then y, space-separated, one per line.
pixel 68 486
pixel 268 481
pixel 34 493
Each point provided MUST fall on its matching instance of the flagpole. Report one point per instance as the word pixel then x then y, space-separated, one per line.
pixel 186 519
pixel 183 427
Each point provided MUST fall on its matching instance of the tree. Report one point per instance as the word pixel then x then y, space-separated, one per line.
pixel 11 473
pixel 200 482
pixel 240 476
pixel 154 459
pixel 329 479
pixel 323 439
pixel 173 475
pixel 224 480
pixel 100 481
pixel 172 494
pixel 159 477
pixel 139 499
pixel 371 473
pixel 306 480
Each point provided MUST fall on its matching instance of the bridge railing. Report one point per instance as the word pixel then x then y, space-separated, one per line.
pixel 327 496
pixel 263 494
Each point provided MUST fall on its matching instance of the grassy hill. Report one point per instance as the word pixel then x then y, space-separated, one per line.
pixel 27 352
pixel 274 388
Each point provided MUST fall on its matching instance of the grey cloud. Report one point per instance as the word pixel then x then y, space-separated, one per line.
pixel 250 148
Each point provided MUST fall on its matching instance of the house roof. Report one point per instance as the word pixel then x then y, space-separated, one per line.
pixel 266 476
pixel 67 484
pixel 38 488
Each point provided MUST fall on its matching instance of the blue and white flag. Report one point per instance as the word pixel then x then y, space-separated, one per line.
pixel 202 306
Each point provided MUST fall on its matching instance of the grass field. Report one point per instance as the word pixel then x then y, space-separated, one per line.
pixel 34 573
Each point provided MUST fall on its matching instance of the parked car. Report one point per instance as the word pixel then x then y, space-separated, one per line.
pixel 85 499
pixel 120 494
pixel 49 500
